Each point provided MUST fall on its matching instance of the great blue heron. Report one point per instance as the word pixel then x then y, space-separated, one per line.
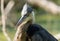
pixel 34 31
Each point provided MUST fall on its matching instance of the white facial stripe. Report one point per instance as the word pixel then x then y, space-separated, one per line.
pixel 24 10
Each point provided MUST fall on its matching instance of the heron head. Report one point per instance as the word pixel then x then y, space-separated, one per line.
pixel 26 14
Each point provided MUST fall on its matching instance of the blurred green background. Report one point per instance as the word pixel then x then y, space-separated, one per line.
pixel 49 21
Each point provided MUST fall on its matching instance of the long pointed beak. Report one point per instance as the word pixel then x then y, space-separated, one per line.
pixel 20 20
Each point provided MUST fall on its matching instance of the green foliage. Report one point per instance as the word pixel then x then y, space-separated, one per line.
pixel 50 22
pixel 56 1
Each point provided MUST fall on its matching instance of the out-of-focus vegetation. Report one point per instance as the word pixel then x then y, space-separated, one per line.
pixel 49 21
pixel 56 1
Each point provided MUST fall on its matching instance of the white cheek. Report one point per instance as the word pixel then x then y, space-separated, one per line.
pixel 24 10
pixel 23 13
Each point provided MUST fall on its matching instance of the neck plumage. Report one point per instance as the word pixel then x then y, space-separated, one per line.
pixel 33 17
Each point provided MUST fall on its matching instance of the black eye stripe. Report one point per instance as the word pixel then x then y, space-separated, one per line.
pixel 29 9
